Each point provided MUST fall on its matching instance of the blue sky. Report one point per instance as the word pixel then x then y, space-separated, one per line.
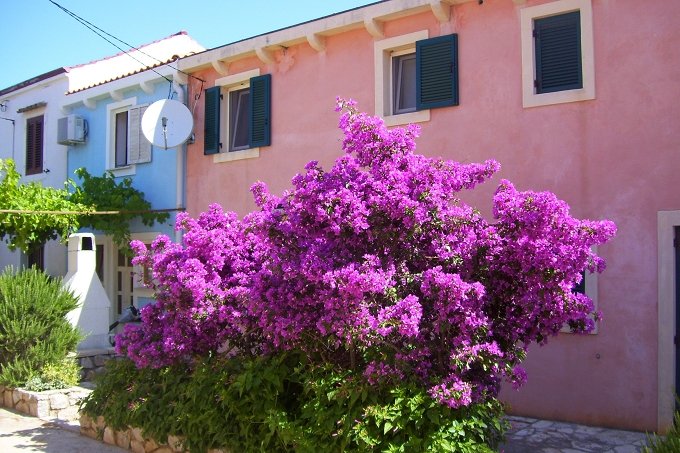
pixel 36 36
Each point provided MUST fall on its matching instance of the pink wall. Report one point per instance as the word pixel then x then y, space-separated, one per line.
pixel 613 157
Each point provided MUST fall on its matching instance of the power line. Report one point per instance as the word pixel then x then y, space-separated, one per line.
pixel 99 32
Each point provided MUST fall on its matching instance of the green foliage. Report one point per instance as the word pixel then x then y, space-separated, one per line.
pixel 281 404
pixel 34 331
pixel 108 195
pixel 59 375
pixel 665 444
pixel 24 231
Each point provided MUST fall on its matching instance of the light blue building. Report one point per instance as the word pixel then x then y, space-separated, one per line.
pixel 111 114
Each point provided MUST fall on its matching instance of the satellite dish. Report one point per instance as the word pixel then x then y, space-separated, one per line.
pixel 167 123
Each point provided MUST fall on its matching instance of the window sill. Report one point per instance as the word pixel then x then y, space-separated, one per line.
pixel 558 97
pixel 236 155
pixel 128 170
pixel 407 118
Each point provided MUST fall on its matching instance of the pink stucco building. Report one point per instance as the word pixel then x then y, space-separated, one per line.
pixel 579 97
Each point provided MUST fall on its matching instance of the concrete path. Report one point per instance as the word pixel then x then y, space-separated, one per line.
pixel 22 433
pixel 529 435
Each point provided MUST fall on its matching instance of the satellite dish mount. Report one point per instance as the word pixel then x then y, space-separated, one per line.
pixel 167 123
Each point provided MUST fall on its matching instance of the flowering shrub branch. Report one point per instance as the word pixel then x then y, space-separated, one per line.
pixel 375 266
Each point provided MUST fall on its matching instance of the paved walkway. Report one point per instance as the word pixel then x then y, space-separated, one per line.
pixel 529 435
pixel 21 433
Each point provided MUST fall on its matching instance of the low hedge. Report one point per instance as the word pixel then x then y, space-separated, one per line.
pixel 282 404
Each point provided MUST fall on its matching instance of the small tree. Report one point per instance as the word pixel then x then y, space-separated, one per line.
pixel 34 331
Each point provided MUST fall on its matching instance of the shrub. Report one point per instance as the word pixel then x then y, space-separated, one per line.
pixel 53 376
pixel 367 308
pixel 282 404
pixel 34 331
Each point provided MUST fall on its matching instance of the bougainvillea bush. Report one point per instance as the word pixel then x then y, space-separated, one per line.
pixel 374 267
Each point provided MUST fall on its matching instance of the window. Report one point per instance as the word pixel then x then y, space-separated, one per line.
pixel 127 144
pixel 34 145
pixel 36 258
pixel 415 74
pixel 239 101
pixel 557 53
pixel 238 116
pixel 404 83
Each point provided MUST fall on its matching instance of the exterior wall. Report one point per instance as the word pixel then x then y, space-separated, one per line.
pixel 13 145
pixel 612 157
pixel 160 179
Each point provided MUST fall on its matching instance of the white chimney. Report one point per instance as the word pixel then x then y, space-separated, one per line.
pixel 92 315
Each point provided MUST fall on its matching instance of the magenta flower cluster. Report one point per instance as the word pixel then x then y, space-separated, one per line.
pixel 375 265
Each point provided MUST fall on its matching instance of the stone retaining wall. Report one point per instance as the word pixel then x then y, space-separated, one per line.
pixel 60 404
pixel 131 438
pixel 92 362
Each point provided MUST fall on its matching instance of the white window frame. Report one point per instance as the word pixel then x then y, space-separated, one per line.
pixel 527 17
pixel 111 110
pixel 394 81
pixel 232 83
pixel 384 88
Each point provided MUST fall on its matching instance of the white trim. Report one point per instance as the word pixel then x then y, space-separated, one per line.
pixel 111 110
pixel 230 156
pixel 666 222
pixel 382 61
pixel 527 16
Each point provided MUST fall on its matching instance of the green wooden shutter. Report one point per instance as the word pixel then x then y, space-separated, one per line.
pixel 211 132
pixel 260 111
pixel 558 53
pixel 437 72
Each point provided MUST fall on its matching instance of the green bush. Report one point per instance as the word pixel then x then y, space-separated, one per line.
pixel 53 376
pixel 665 444
pixel 281 404
pixel 34 331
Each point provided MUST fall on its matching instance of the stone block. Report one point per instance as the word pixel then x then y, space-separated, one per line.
pixel 86 362
pixel 136 434
pixel 85 421
pixel 137 446
pixel 69 413
pixel 164 449
pixel 33 408
pixel 100 422
pixel 123 439
pixel 8 398
pixel 176 443
pixel 58 401
pixel 150 445
pixel 89 432
pixel 22 406
pixel 109 436
pixel 42 408
pixel 100 360
pixel 17 395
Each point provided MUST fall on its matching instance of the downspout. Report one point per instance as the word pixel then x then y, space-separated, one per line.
pixel 180 197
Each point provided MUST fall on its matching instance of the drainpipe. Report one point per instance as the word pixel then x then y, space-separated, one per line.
pixel 181 161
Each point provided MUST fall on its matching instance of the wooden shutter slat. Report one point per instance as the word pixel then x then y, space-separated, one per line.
pixel 558 53
pixel 211 137
pixel 260 111
pixel 437 72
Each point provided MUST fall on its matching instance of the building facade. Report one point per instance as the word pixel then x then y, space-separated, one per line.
pixel 573 96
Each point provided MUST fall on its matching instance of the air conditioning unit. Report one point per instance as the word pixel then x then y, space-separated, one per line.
pixel 71 130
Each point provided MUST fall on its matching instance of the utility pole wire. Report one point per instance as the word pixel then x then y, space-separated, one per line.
pixel 96 30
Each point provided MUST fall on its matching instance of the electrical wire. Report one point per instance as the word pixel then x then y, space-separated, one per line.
pixel 99 32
